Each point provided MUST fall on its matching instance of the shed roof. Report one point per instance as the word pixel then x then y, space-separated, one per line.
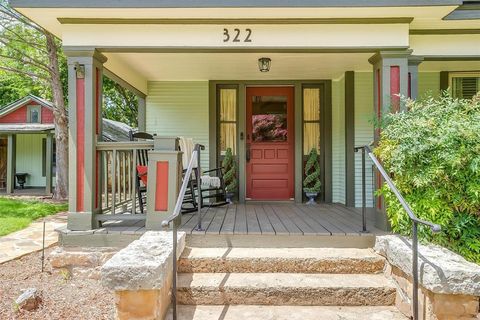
pixel 112 130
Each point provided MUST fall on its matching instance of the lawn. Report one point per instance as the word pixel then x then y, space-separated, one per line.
pixel 17 214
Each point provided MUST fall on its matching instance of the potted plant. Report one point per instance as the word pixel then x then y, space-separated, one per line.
pixel 230 174
pixel 312 183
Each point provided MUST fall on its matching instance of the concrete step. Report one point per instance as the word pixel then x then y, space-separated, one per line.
pixel 256 312
pixel 285 289
pixel 290 260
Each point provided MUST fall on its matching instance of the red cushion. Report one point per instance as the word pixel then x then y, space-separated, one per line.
pixel 142 173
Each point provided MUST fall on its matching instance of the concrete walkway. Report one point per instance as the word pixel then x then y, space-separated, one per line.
pixel 20 243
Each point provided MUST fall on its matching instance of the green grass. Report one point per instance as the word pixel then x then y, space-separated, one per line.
pixel 18 214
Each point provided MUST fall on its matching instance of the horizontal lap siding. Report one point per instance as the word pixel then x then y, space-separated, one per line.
pixel 29 158
pixel 179 108
pixel 338 140
pixel 428 83
pixel 364 114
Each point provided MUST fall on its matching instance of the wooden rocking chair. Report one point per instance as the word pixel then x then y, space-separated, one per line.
pixel 218 193
pixel 141 169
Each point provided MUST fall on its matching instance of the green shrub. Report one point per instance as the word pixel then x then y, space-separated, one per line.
pixel 433 154
pixel 312 182
pixel 230 168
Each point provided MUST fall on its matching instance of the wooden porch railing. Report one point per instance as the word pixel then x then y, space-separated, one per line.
pixel 118 178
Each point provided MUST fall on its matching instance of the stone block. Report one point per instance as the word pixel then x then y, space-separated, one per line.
pixel 440 270
pixel 144 264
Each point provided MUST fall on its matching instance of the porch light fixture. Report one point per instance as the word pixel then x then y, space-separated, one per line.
pixel 264 64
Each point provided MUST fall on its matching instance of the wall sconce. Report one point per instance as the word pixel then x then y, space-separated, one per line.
pixel 79 70
pixel 264 64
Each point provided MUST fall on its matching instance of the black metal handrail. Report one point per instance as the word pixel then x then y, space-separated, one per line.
pixel 176 213
pixel 415 221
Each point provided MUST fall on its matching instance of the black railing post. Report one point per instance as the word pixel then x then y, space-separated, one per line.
pixel 415 221
pixel 415 270
pixel 174 276
pixel 199 190
pixel 364 195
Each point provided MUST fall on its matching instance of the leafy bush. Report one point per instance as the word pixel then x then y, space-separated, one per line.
pixel 312 182
pixel 433 154
pixel 230 168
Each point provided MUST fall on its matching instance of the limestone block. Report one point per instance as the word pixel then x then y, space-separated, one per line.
pixel 144 264
pixel 80 257
pixel 440 270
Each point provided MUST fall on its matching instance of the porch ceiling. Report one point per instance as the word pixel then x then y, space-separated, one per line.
pixel 240 66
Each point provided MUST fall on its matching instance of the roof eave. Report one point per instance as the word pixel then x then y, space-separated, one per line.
pixel 228 3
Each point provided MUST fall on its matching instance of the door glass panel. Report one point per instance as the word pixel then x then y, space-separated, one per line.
pixel 311 119
pixel 311 137
pixel 269 118
pixel 228 120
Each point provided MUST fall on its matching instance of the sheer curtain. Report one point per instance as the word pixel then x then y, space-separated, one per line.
pixel 311 119
pixel 228 118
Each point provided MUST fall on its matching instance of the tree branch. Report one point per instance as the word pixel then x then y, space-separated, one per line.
pixel 30 74
pixel 37 63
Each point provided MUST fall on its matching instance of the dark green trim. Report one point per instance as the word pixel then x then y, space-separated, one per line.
pixel 325 87
pixel 349 138
pixel 212 125
pixel 443 31
pixel 251 21
pixel 444 80
pixel 298 84
pixel 228 4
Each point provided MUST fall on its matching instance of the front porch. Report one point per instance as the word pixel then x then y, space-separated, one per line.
pixel 266 224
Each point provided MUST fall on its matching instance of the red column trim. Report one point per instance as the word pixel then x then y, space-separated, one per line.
pixel 80 115
pixel 379 116
pixel 161 192
pixel 395 87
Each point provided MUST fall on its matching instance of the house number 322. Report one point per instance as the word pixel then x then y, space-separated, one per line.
pixel 237 35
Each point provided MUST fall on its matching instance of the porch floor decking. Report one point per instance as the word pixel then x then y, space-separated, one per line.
pixel 264 219
pixel 279 219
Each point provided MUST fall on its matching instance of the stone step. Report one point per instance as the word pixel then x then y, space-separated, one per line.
pixel 285 289
pixel 256 312
pixel 290 260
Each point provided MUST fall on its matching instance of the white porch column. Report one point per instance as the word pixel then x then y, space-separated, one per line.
pixel 85 70
pixel 11 160
pixel 390 72
pixel 142 114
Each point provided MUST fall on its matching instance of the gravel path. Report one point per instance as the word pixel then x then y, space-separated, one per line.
pixel 76 298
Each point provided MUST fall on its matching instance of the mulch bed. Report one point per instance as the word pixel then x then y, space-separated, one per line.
pixel 63 298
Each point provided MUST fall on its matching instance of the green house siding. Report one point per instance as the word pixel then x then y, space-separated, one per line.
pixel 179 108
pixel 338 140
pixel 428 83
pixel 29 158
pixel 364 114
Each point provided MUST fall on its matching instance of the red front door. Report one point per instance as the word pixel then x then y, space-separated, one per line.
pixel 270 143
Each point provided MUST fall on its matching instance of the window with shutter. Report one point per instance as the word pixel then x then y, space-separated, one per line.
pixel 465 86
